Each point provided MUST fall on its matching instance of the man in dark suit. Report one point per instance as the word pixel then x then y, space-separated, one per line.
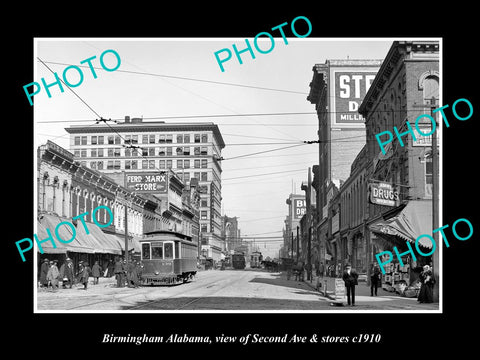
pixel 350 277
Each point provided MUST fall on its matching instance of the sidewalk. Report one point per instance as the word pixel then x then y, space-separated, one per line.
pixel 384 301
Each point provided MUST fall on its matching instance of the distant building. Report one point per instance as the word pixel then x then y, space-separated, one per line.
pixel 297 207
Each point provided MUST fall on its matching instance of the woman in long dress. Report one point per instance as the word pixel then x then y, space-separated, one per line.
pixel 426 289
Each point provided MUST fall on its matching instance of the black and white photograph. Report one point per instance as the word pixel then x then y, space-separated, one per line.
pixel 204 181
pixel 207 191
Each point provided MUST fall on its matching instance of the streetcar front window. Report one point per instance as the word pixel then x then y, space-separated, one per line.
pixel 168 250
pixel 157 251
pixel 146 251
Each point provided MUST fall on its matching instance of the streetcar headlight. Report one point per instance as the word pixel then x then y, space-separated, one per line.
pixel 156 273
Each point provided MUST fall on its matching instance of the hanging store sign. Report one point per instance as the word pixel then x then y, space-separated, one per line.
pixel 152 182
pixel 384 194
pixel 299 208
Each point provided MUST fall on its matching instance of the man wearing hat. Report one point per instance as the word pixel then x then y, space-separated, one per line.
pixel 85 274
pixel 350 277
pixel 52 275
pixel 43 273
pixel 66 273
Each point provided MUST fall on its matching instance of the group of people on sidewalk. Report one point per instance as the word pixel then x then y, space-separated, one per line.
pixel 50 275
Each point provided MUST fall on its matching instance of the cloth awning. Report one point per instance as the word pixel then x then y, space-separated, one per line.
pixel 414 220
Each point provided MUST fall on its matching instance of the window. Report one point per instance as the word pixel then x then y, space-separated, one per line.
pixel 151 164
pixel 134 139
pixel 110 152
pixel 128 152
pixel 161 151
pixel 169 139
pixel 83 152
pixel 196 175
pixel 76 140
pixel 203 228
pixel 93 153
pixel 196 164
pixel 157 251
pixel 186 138
pixel 144 164
pixel 100 140
pixel 100 152
pixel 177 251
pixel 204 163
pixel 110 139
pixel 93 165
pixel 128 139
pixel 116 152
pixel 84 140
pixel 186 177
pixel 151 139
pixel 134 164
pixel 179 151
pixel 146 251
pixel 110 165
pixel 117 140
pixel 179 139
pixel 128 164
pixel 169 164
pixel 179 164
pixel 144 151
pixel 168 247
pixel 116 165
pixel 203 214
pixel 151 151
pixel 428 176
pixel 204 176
pixel 204 203
pixel 144 139
pixel 186 151
pixel 186 164
pixel 204 138
pixel 197 138
pixel 100 165
pixel 203 150
pixel 161 139
pixel 196 150
pixel 169 151
pixel 162 164
pixel 94 140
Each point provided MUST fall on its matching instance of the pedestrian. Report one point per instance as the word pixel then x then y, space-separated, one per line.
pixel 375 280
pixel 426 289
pixel 132 275
pixel 43 273
pixel 321 269
pixel 67 273
pixel 79 272
pixel 96 272
pixel 118 270
pixel 52 275
pixel 110 268
pixel 86 271
pixel 350 277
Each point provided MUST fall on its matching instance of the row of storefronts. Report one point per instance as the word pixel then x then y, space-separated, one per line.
pixel 386 201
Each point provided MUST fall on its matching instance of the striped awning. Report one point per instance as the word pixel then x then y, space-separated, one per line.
pixel 414 220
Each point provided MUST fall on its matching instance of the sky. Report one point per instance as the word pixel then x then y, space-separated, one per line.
pixel 254 188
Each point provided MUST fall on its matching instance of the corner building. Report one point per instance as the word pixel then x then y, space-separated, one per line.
pixel 190 150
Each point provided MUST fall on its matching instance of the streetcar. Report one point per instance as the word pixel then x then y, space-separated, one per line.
pixel 238 260
pixel 255 259
pixel 168 258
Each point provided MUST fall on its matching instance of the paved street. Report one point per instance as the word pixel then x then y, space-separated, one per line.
pixel 217 290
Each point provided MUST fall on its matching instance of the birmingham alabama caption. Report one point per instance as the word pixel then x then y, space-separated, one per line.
pixel 280 173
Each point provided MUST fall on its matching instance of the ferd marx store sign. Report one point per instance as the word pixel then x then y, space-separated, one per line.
pixel 147 182
pixel 384 194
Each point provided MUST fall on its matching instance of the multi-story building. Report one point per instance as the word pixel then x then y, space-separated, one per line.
pixel 296 209
pixel 190 150
pixel 231 233
pixel 402 91
pixel 337 90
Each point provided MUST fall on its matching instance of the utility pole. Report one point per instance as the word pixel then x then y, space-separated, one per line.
pixel 292 245
pixel 298 242
pixel 126 217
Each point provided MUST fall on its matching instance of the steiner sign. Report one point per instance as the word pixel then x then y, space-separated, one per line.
pixel 384 194
pixel 147 182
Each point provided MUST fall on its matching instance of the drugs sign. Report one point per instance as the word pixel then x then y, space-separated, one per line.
pixel 147 182
pixel 384 194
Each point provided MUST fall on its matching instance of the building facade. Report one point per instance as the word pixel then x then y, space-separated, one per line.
pixel 297 208
pixel 401 91
pixel 189 150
